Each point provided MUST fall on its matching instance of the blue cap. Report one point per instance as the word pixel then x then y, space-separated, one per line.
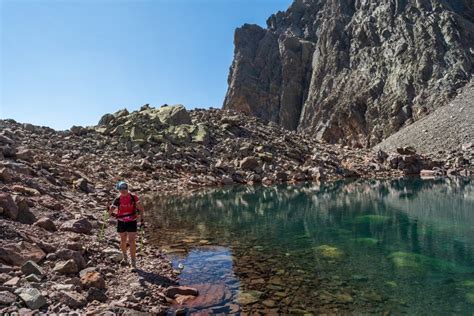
pixel 122 185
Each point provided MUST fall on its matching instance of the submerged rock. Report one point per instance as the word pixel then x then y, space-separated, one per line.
pixel 248 297
pixel 329 252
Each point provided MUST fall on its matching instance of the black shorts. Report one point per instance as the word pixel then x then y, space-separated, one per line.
pixel 130 227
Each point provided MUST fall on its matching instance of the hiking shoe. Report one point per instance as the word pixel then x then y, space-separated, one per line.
pixel 124 262
pixel 134 266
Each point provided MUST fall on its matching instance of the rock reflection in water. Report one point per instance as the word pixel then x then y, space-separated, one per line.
pixel 366 246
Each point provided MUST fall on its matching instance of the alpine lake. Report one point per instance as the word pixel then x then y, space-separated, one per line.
pixel 403 246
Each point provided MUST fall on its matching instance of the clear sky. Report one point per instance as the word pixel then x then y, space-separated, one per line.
pixel 67 62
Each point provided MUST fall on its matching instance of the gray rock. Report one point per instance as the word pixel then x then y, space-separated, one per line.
pixel 66 267
pixel 33 278
pixel 30 267
pixel 114 254
pixel 174 115
pixel 33 298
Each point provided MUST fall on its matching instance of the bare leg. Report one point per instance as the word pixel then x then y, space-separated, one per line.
pixel 123 244
pixel 133 248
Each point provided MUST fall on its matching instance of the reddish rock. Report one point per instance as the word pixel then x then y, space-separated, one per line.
pixel 93 279
pixel 209 295
pixel 172 291
pixel 17 254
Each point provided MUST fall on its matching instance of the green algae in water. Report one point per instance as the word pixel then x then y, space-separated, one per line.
pixel 420 263
pixel 371 219
pixel 366 241
pixel 329 252
pixel 470 297
pixel 467 283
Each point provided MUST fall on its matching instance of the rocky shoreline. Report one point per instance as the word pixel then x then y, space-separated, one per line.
pixel 55 186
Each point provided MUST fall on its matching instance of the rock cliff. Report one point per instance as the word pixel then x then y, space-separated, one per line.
pixel 353 71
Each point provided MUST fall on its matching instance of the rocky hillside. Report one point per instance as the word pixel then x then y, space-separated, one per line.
pixel 449 128
pixel 58 252
pixel 353 71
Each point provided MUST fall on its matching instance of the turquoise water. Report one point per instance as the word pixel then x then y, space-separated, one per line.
pixel 401 246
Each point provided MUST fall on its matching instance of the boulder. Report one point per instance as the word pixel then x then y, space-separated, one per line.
pixel 66 267
pixel 24 154
pixel 174 115
pixel 46 223
pixel 95 294
pixel 10 209
pixel 6 175
pixel 83 185
pixel 249 163
pixel 114 254
pixel 92 279
pixel 33 298
pixel 73 299
pixel 16 254
pixel 81 226
pixel 25 216
pixel 30 267
pixel 78 130
pixel 66 254
pixel 106 119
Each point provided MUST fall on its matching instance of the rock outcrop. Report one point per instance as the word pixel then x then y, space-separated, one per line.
pixel 353 71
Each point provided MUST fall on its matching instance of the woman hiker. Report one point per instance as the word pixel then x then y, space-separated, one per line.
pixel 127 209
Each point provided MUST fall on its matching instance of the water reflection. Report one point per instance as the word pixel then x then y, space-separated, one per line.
pixel 367 246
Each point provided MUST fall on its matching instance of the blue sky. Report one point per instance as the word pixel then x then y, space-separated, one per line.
pixel 67 62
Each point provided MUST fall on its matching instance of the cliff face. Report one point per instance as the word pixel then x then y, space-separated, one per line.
pixel 353 71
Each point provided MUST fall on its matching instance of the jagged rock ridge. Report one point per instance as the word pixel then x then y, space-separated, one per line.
pixel 350 71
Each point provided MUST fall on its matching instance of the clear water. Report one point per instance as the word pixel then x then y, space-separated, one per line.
pixel 401 246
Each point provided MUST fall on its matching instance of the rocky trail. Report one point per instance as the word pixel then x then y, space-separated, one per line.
pixel 55 186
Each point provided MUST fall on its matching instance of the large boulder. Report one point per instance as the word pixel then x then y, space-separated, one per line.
pixel 16 254
pixel 174 115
